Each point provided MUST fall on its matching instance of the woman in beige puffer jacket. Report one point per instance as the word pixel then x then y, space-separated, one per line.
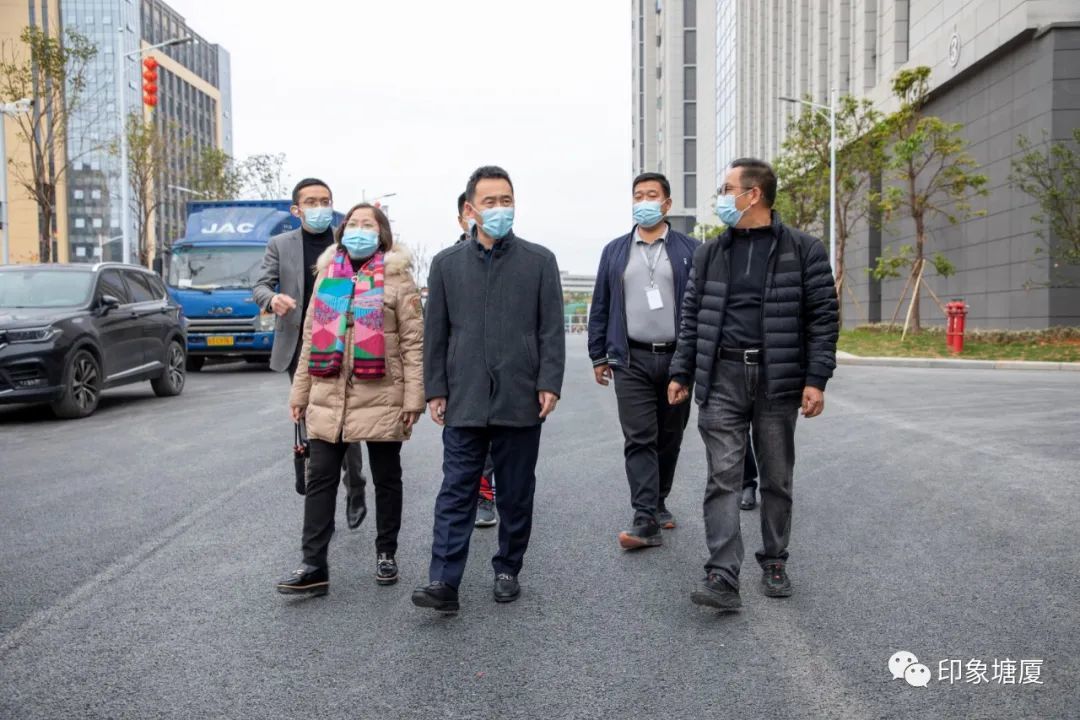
pixel 345 408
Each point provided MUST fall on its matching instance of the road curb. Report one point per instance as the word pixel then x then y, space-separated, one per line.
pixel 843 358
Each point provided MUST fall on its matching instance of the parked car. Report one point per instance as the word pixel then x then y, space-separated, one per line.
pixel 69 332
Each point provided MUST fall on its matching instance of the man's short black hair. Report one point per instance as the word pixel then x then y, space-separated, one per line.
pixel 307 182
pixel 461 204
pixel 655 177
pixel 487 172
pixel 759 174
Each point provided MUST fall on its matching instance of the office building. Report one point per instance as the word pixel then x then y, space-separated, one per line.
pixel 674 102
pixel 194 106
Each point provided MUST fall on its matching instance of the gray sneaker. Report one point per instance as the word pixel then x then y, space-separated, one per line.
pixel 485 513
pixel 665 518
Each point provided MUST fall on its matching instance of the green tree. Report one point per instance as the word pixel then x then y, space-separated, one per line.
pixel 803 170
pixel 53 72
pixel 933 175
pixel 1050 173
pixel 216 176
pixel 150 155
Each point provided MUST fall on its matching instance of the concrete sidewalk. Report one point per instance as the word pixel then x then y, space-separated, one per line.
pixel 844 358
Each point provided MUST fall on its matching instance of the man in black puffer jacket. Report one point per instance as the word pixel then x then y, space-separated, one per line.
pixel 757 341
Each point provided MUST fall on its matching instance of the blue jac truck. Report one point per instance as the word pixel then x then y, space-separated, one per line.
pixel 212 271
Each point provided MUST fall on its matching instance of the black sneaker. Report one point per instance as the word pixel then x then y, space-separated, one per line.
pixel 749 498
pixel 305 580
pixel 507 588
pixel 485 513
pixel 775 581
pixel 665 518
pixel 642 535
pixel 715 592
pixel 437 596
pixel 386 572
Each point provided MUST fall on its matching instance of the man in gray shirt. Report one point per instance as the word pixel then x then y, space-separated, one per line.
pixel 633 325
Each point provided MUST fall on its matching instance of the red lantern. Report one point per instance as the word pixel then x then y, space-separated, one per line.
pixel 150 87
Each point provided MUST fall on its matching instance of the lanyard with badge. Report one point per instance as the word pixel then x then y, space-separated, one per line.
pixel 652 292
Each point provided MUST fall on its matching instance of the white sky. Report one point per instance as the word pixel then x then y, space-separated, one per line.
pixel 410 96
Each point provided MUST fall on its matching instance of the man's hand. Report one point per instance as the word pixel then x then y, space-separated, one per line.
pixel 410 419
pixel 813 402
pixel 547 403
pixel 282 303
pixel 297 413
pixel 603 373
pixel 676 393
pixel 437 407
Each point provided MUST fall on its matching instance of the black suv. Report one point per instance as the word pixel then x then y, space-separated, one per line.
pixel 68 332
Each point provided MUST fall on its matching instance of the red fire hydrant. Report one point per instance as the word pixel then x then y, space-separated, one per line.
pixel 956 311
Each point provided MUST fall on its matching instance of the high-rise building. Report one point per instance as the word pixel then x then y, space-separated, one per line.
pixel 1003 68
pixel 194 108
pixel 674 101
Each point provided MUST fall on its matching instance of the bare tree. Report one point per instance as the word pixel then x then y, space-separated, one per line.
pixel 52 71
pixel 421 263
pixel 263 176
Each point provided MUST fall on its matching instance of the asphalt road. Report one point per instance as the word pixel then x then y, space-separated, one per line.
pixel 936 512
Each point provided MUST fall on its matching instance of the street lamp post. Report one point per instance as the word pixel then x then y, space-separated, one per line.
pixel 20 106
pixel 189 191
pixel 125 189
pixel 831 109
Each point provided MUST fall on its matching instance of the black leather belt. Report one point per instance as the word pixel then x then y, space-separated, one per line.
pixel 657 348
pixel 748 357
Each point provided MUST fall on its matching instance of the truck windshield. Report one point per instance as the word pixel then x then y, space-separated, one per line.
pixel 209 268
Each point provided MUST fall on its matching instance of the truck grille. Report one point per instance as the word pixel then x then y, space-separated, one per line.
pixel 220 326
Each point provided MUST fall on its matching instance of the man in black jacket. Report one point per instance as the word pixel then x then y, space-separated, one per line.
pixel 494 354
pixel 758 340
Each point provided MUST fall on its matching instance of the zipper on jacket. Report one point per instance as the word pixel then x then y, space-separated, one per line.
pixel 770 264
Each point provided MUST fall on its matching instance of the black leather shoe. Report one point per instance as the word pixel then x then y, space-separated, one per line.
pixel 749 498
pixel 437 596
pixel 507 588
pixel 642 535
pixel 715 592
pixel 775 581
pixel 386 572
pixel 305 580
pixel 355 508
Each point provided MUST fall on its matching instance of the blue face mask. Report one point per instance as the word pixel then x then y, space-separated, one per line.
pixel 360 243
pixel 318 218
pixel 726 210
pixel 647 213
pixel 497 221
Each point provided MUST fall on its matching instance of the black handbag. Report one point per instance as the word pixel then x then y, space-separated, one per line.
pixel 301 451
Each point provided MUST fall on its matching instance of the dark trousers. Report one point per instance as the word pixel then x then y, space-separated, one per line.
pixel 737 403
pixel 749 476
pixel 652 430
pixel 323 476
pixel 514 452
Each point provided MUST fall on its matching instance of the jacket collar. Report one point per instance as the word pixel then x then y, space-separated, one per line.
pixel 498 249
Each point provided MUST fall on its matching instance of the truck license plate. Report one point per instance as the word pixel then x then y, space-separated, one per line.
pixel 219 340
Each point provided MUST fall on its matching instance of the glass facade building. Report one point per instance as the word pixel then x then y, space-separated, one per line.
pixel 193 104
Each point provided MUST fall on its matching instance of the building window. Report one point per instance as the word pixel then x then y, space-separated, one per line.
pixel 78 194
pixel 96 222
pixel 689 13
pixel 690 47
pixel 690 119
pixel 80 222
pixel 690 155
pixel 95 194
pixel 689 190
pixel 690 83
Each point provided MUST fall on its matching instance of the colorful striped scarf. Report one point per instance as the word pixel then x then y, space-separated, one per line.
pixel 342 297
